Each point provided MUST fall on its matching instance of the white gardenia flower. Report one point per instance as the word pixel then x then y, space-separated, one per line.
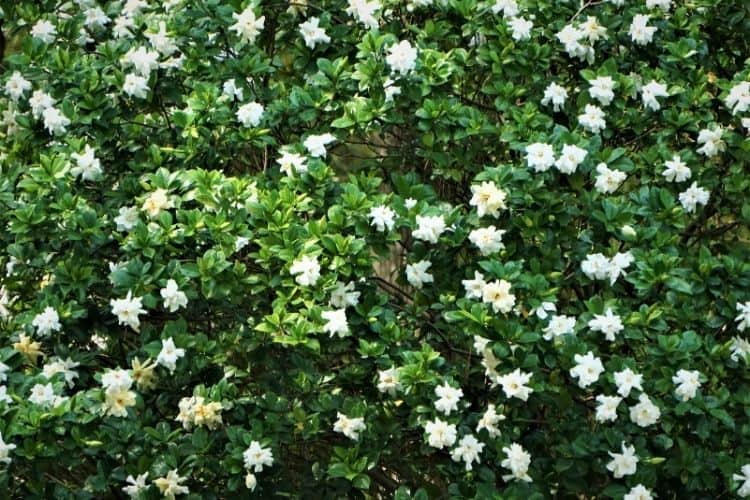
pixel 627 380
pixel 608 323
pixel 117 378
pixel 248 26
pixel 738 99
pixel 692 197
pixel 602 89
pixel 608 180
pixel 42 395
pixel 489 363
pixel 306 269
pixel 44 31
pixel 540 156
pixel 127 310
pixel 711 141
pixel 16 86
pixel 388 381
pixel 677 170
pixel 336 323
pixel 448 398
pixel 597 266
pixel 489 421
pixel 127 218
pixel 688 382
pixel 665 5
pixel 344 295
pixel 587 370
pixel 558 326
pixel 144 61
pixel 117 400
pixel 509 8
pixel 488 240
pixel 475 287
pixel 5 302
pixel 135 86
pixel 521 28
pixel 628 231
pixel 349 427
pixel 161 41
pixel 468 451
pixel 570 158
pixel 4 397
pixel 606 411
pixel 417 275
pixel 650 92
pixel 95 18
pixel 250 114
pixel 638 492
pixel 518 461
pixel 743 316
pixel 157 201
pixel 46 322
pixel 64 366
pixel 39 101
pixel 251 481
pixel 231 90
pixel 480 344
pixel 744 478
pixel 617 265
pixel 429 228
pixel 174 299
pixel 169 485
pixel 740 348
pixel 645 413
pixel 54 121
pixel 592 119
pixel 640 32
pixel 3 371
pixel 488 198
pixel 440 434
pixel 593 30
pixel 6 448
pixel 390 90
pixel 312 33
pixel 197 411
pixel 542 312
pixel 382 217
pixel 514 384
pixel 316 144
pixel 402 57
pixel 169 354
pixel 88 165
pixel 122 27
pixel 498 294
pixel 556 95
pixel 571 37
pixel 625 463
pixel 363 11
pixel 256 457
pixel 290 163
pixel 135 485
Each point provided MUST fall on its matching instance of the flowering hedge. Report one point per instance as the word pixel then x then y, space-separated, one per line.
pixel 385 248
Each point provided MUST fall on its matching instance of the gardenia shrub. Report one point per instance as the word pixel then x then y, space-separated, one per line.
pixel 375 249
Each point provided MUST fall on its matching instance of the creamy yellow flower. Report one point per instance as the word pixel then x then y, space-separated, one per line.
pixel 143 373
pixel 27 347
pixel 156 202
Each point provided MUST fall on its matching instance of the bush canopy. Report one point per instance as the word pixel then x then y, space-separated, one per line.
pixel 375 249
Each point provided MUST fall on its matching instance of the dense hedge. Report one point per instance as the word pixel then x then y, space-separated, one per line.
pixel 408 249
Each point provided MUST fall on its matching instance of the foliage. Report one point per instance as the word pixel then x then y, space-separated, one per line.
pixel 196 298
